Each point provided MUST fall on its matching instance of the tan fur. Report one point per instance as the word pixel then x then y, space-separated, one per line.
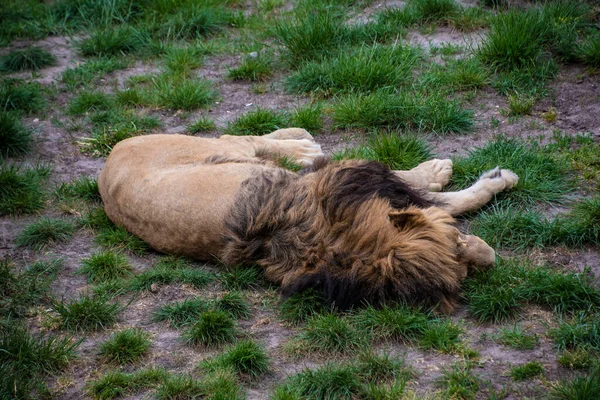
pixel 220 199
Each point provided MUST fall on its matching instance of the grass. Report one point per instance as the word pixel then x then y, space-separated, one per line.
pixel 580 388
pixel 87 314
pixel 118 239
pixel 577 358
pixel 219 386
pixel 426 11
pixel 193 21
pixel 257 122
pixel 25 359
pixel 15 138
pixel 126 346
pixel 459 382
pixel 500 293
pixel 443 336
pixel 253 68
pixel 398 152
pixel 182 60
pixel 330 334
pixel 115 41
pixel 213 328
pixel 245 358
pixel 181 93
pixel 401 110
pixel 325 383
pixel 21 189
pixel 202 124
pixel 105 266
pixel 84 188
pixel 517 338
pixel 116 384
pixel 234 304
pixel 543 177
pixel 90 101
pixel 526 371
pixel 589 51
pixel 363 70
pixel 180 314
pixel 241 278
pixel 373 367
pixel 309 117
pixel 520 104
pixel 582 332
pixel 398 323
pixel 91 71
pixel 31 58
pixel 460 74
pixel 300 307
pixel 45 231
pixel 20 96
pixel 164 274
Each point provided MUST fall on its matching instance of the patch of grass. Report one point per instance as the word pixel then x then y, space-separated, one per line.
pixel 257 122
pixel 192 21
pixel 213 328
pixel 577 358
pixel 96 219
pixel 470 19
pixel 302 306
pixel 182 60
pixel 459 382
pixel 24 19
pixel 427 11
pixel 221 385
pixel 92 71
pixel 329 382
pixel 117 239
pixel 520 104
pixel 203 124
pixel 45 231
pixel 330 334
pixel 165 275
pixel 182 313
pixel 399 323
pixel 117 384
pixel 542 176
pixel 87 101
pixel 372 367
pixel 359 71
pixel 308 117
pixel 529 80
pixel 15 138
pixel 398 152
pixel 443 336
pixel 114 41
pixel 253 68
pixel 245 358
pixel 517 338
pixel 87 313
pixel 20 96
pixel 499 293
pixel 241 278
pixel 580 388
pixel 26 359
pixel 456 75
pixel 181 93
pixel 84 188
pixel 105 266
pixel 589 51
pixel 402 110
pixel 126 346
pixel 582 332
pixel 21 189
pixel 234 304
pixel 526 371
pixel 30 58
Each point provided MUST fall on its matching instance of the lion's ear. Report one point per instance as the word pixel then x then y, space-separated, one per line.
pixel 405 219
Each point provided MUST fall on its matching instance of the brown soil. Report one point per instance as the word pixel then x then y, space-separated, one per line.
pixel 575 96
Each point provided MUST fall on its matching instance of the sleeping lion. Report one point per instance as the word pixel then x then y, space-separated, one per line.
pixel 354 230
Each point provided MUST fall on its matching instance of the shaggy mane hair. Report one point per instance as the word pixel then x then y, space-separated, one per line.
pixel 351 229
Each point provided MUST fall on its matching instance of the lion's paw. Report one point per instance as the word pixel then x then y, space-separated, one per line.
pixel 290 134
pixel 306 151
pixel 435 173
pixel 499 179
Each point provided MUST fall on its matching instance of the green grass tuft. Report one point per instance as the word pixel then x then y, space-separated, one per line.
pixel 325 383
pixel 114 41
pixel 213 328
pixel 31 58
pixel 443 336
pixel 182 60
pixel 87 314
pixel 163 274
pixel 577 358
pixel 459 382
pixel 91 72
pixel 116 384
pixel 23 97
pixel 45 231
pixel 582 332
pixel 241 278
pixel 201 125
pixel 258 122
pixel 117 239
pixel 398 152
pixel 372 367
pixel 308 117
pixel 125 347
pixel 330 334
pixel 15 138
pixel 253 68
pixel 105 266
pixel 21 189
pixel 399 323
pixel 221 385
pixel 589 51
pixel 182 313
pixel 245 358
pixel 517 338
pixel 526 371
pixel 181 93
pixel 84 188
pixel 87 101
pixel 234 304
pixel 302 306
pixel 580 388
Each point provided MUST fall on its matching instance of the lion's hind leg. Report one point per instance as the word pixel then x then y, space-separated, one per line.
pixel 489 184
pixel 290 133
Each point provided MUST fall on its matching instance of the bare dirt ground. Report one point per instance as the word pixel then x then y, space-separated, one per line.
pixel 575 95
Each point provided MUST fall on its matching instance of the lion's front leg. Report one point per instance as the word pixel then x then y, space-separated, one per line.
pixel 474 197
pixel 431 175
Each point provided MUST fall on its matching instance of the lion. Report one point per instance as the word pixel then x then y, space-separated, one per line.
pixel 354 230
